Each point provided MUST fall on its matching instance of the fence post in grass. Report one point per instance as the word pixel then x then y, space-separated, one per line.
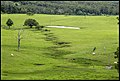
pixel 19 39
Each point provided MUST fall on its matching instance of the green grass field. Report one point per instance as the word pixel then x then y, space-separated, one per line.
pixel 40 58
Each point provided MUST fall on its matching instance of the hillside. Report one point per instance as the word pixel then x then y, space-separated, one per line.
pixel 59 54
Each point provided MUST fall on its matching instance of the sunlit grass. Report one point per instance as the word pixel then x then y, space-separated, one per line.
pixel 74 62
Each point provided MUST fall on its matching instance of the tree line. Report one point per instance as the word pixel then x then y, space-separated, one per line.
pixel 61 7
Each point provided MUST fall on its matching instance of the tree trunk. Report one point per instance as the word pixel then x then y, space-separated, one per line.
pixel 18 44
pixel 18 40
pixel 30 26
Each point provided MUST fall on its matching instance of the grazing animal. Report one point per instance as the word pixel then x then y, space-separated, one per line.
pixel 108 67
pixel 115 62
pixel 93 53
pixel 94 49
pixel 12 54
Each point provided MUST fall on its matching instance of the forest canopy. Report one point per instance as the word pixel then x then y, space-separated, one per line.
pixel 61 7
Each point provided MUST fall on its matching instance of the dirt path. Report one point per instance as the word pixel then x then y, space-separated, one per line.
pixel 63 27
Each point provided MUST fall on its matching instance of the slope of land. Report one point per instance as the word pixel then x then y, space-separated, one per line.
pixel 59 54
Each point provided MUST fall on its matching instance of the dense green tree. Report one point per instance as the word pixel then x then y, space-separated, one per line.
pixel 9 22
pixel 31 23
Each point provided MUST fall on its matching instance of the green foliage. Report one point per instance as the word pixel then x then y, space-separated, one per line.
pixel 66 14
pixel 62 7
pixel 117 19
pixel 30 13
pixel 9 22
pixel 2 12
pixel 31 22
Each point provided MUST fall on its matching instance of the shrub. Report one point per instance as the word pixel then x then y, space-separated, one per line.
pixel 9 22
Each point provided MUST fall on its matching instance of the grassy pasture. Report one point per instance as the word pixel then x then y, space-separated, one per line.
pixel 40 58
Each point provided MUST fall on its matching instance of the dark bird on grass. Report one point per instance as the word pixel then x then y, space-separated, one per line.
pixel 94 49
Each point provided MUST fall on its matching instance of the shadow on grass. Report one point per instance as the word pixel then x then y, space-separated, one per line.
pixel 56 53
pixel 38 64
pixel 85 61
pixel 16 28
pixel 53 51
